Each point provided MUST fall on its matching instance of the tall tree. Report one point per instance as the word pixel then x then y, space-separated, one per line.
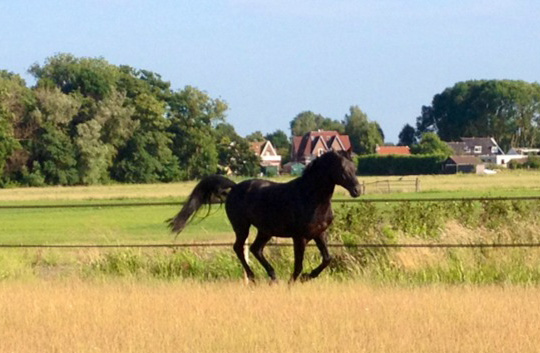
pixel 56 155
pixel 432 144
pixel 256 136
pixel 93 155
pixel 193 115
pixel 282 144
pixel 15 104
pixel 90 77
pixel 407 136
pixel 507 110
pixel 308 121
pixel 365 135
pixel 147 156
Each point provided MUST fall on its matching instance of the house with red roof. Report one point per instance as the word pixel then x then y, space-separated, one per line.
pixel 315 143
pixel 387 150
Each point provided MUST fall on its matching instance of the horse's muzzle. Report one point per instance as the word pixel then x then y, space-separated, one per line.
pixel 356 191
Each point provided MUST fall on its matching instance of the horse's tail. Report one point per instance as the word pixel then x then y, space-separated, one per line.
pixel 211 189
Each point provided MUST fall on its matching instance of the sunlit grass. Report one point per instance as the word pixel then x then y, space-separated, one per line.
pixel 230 317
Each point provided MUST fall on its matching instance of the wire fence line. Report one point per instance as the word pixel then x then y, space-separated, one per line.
pixel 216 245
pixel 361 200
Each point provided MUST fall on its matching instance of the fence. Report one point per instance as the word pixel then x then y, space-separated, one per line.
pixel 193 245
pixel 388 186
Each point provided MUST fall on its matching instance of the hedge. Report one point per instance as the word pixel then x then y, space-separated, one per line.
pixel 399 164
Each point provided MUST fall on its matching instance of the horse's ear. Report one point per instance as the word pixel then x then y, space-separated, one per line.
pixel 348 154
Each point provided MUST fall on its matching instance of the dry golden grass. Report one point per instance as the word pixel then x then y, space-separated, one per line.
pixel 98 192
pixel 230 317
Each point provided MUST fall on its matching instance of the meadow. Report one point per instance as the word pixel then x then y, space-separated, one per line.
pixel 369 300
pixel 322 316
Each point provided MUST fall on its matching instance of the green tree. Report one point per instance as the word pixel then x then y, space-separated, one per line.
pixel 17 125
pixel 256 136
pixel 93 155
pixel 308 121
pixel 407 136
pixel 147 156
pixel 56 155
pixel 507 110
pixel 282 143
pixel 8 144
pixel 193 115
pixel 432 144
pixel 90 77
pixel 365 135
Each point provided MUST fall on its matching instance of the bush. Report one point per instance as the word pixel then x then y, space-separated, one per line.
pixel 400 165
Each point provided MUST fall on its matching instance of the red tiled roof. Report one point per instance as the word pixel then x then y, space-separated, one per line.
pixel 257 146
pixel 384 150
pixel 303 145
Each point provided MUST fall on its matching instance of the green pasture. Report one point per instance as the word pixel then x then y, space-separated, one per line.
pixel 381 222
pixel 146 224
pixel 105 225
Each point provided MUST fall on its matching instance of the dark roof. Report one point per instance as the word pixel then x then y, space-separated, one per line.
pixel 467 146
pixel 460 160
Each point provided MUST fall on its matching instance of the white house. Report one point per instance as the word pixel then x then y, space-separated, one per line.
pixel 266 151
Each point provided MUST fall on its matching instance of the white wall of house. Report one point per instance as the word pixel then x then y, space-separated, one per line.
pixel 501 159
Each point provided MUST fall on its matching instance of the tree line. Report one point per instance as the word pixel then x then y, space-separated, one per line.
pixel 87 121
pixel 507 110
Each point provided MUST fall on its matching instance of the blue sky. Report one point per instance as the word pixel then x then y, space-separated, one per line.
pixel 272 59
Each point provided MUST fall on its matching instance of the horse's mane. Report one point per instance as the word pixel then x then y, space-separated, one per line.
pixel 320 162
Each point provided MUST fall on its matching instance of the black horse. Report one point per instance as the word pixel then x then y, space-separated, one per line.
pixel 300 209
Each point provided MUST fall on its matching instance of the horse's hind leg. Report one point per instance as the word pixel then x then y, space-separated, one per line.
pixel 299 249
pixel 326 258
pixel 257 250
pixel 242 234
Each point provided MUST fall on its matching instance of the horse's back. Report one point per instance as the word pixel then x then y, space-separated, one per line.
pixel 271 207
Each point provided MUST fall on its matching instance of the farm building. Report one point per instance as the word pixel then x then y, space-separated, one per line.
pixel 463 164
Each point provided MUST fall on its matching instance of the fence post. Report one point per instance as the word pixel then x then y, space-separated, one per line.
pixel 417 184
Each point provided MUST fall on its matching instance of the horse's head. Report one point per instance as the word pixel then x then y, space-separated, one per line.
pixel 343 172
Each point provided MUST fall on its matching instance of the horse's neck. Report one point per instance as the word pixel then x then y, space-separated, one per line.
pixel 317 187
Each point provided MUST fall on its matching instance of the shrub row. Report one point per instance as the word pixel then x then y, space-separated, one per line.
pixel 400 165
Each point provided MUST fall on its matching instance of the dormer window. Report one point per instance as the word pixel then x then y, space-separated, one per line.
pixel 477 149
pixel 494 149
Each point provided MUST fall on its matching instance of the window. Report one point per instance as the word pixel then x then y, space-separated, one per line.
pixel 477 149
pixel 320 152
pixel 494 149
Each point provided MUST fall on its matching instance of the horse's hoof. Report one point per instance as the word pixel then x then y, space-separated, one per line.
pixel 304 277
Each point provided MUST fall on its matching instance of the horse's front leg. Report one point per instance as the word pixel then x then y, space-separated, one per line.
pixel 299 249
pixel 326 258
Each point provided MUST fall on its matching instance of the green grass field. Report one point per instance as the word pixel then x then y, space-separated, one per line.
pixel 398 300
pixel 104 225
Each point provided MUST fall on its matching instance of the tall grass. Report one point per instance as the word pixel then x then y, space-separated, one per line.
pixel 229 317
pixel 410 222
